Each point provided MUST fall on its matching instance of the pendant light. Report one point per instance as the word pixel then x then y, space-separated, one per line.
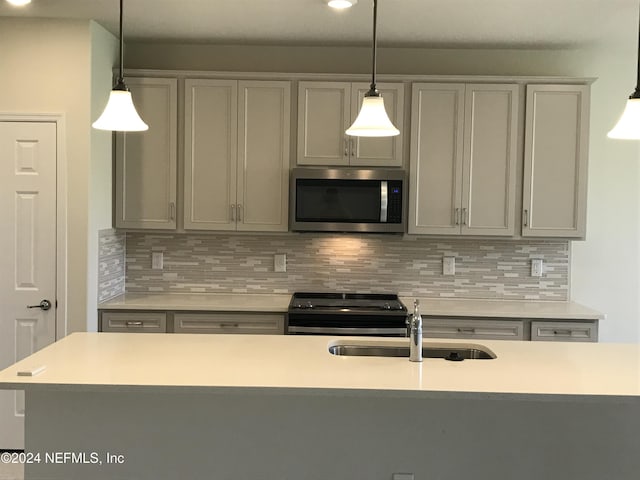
pixel 120 114
pixel 373 121
pixel 628 127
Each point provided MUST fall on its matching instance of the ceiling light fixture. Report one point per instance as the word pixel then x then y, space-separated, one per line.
pixel 373 121
pixel 19 3
pixel 340 4
pixel 628 127
pixel 120 113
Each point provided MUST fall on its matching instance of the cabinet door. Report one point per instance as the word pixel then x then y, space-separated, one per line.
pixel 133 322
pixel 490 154
pixel 146 162
pixel 382 151
pixel 210 160
pixel 263 155
pixel 564 331
pixel 251 323
pixel 437 116
pixel 323 116
pixel 473 328
pixel 555 161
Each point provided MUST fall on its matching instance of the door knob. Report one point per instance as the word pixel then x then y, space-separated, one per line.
pixel 44 305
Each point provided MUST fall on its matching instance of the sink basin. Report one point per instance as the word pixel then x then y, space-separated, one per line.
pixel 448 352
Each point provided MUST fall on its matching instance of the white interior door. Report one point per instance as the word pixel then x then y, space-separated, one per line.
pixel 27 255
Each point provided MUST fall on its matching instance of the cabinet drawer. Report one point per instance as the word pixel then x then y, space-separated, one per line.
pixel 564 331
pixel 255 323
pixel 135 322
pixel 463 328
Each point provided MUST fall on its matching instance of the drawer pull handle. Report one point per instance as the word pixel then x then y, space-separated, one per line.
pixel 564 333
pixel 229 325
pixel 134 323
pixel 466 330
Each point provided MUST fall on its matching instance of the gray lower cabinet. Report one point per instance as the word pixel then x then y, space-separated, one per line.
pixel 234 322
pixel 564 331
pixel 133 322
pixel 554 330
pixel 191 322
pixel 473 328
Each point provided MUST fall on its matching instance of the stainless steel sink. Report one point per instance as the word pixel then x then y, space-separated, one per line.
pixel 448 352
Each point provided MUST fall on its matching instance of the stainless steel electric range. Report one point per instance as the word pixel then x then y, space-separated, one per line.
pixel 365 314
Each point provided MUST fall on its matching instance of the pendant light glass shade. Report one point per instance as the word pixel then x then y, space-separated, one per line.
pixel 628 127
pixel 341 4
pixel 120 114
pixel 372 121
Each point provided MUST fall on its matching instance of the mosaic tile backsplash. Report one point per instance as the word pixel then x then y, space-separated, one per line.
pixel 111 264
pixel 410 266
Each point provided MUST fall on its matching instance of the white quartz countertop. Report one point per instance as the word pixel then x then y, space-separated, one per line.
pixel 279 303
pixel 503 309
pixel 124 361
pixel 202 302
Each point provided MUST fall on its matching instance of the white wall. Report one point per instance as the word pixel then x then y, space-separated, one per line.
pixel 48 66
pixel 104 52
pixel 605 266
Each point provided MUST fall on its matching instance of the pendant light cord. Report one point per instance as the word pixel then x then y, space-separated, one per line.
pixel 120 85
pixel 372 90
pixel 636 94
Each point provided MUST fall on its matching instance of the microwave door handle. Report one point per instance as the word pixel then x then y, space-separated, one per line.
pixel 384 201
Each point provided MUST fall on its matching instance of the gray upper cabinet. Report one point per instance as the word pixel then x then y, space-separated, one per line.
pixel 463 159
pixel 555 161
pixel 327 109
pixel 146 162
pixel 236 173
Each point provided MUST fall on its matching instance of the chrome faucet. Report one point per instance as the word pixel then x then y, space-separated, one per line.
pixel 414 331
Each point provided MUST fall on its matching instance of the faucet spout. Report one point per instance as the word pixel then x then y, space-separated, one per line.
pixel 414 327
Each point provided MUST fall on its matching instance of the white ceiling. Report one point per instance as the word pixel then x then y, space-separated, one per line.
pixel 433 23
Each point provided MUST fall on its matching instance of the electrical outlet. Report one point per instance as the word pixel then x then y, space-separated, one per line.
pixel 280 262
pixel 536 267
pixel 157 260
pixel 448 265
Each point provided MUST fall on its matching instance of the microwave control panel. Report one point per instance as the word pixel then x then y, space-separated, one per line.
pixel 394 208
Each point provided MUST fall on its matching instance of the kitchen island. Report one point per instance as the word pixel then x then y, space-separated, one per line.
pixel 242 406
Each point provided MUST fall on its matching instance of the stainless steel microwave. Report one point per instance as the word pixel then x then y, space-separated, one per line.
pixel 347 200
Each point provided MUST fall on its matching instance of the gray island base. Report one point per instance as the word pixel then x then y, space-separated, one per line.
pixel 133 406
pixel 314 435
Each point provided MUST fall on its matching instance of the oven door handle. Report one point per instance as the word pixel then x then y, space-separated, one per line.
pixel 384 200
pixel 400 332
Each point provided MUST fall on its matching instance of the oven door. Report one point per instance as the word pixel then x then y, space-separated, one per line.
pixel 331 323
pixel 350 331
